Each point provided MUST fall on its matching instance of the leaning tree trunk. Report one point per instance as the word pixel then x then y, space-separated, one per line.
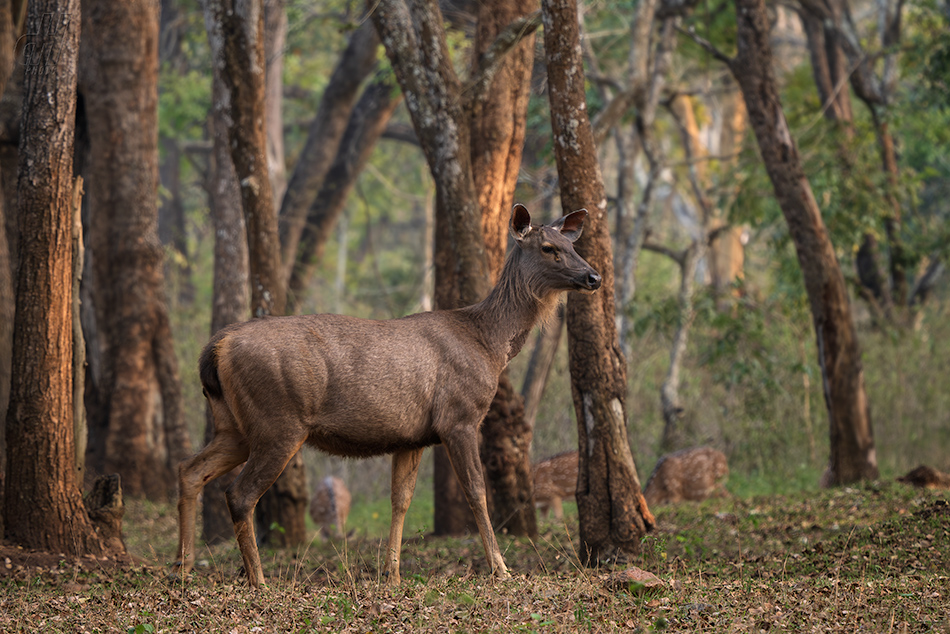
pixel 839 356
pixel 235 32
pixel 141 435
pixel 326 131
pixel 612 511
pixel 47 510
pixel 367 123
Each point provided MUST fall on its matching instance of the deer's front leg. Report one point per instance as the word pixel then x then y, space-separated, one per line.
pixel 405 470
pixel 463 452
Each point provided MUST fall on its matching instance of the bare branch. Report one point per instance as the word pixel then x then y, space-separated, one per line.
pixel 706 45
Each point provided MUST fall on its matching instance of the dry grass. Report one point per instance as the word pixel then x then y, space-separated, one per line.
pixel 874 558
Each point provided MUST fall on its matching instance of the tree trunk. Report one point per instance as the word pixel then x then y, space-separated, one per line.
pixel 539 367
pixel 230 295
pixel 853 456
pixel 673 436
pixel 275 41
pixel 171 221
pixel 497 133
pixel 613 514
pixel 415 43
pixel 144 434
pixel 46 511
pixel 235 31
pixel 367 122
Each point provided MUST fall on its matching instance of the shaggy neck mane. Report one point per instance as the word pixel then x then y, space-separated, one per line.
pixel 515 305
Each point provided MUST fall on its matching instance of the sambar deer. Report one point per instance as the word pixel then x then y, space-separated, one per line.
pixel 359 387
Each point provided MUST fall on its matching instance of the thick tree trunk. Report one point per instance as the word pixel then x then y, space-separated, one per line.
pixel 46 510
pixel 144 431
pixel 613 514
pixel 235 31
pixel 497 131
pixel 852 442
pixel 415 42
pixel 230 295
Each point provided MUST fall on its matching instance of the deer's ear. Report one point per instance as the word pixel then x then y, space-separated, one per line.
pixel 572 225
pixel 520 225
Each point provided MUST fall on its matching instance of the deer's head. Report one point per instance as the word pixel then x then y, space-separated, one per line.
pixel 550 251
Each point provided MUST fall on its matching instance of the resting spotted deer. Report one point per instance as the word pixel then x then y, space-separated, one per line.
pixel 690 474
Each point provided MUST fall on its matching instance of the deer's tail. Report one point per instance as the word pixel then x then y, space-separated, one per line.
pixel 208 370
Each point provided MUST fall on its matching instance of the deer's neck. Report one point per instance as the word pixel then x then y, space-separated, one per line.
pixel 512 309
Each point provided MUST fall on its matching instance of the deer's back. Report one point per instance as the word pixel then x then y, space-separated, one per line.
pixel 355 387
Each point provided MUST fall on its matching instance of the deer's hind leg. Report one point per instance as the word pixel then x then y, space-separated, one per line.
pixel 264 464
pixel 405 470
pixel 225 451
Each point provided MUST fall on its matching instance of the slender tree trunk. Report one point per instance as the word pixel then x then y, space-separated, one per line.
pixel 47 510
pixel 144 434
pixel 230 295
pixel 613 514
pixel 669 392
pixel 853 455
pixel 7 292
pixel 275 41
pixel 236 33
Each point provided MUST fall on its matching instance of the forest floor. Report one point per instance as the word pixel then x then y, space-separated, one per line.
pixel 874 558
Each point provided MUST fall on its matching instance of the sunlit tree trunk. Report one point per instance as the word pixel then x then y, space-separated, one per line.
pixel 498 127
pixel 43 502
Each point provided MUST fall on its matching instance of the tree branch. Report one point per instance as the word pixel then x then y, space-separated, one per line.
pixel 491 60
pixel 706 45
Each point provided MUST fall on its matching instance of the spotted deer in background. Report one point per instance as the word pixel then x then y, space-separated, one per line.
pixel 555 480
pixel 690 474
pixel 330 506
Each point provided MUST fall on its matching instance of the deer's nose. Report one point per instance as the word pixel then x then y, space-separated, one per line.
pixel 593 281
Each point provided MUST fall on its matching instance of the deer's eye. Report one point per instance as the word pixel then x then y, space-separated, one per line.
pixel 547 248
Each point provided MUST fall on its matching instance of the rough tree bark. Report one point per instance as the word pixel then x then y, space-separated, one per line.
pixel 141 433
pixel 43 503
pixel 235 32
pixel 853 455
pixel 612 511
pixel 497 133
pixel 7 48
